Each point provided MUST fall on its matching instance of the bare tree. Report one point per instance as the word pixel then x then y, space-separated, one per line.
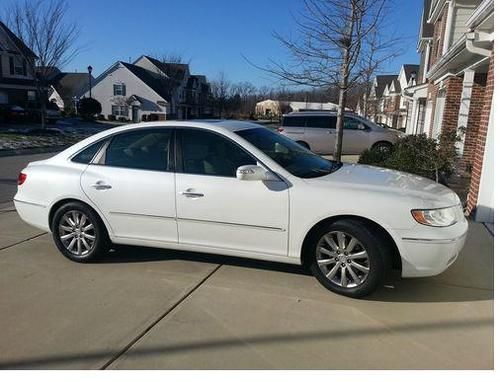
pixel 42 26
pixel 331 49
pixel 220 91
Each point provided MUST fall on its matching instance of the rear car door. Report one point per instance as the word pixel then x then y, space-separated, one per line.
pixel 217 210
pixel 132 183
pixel 320 133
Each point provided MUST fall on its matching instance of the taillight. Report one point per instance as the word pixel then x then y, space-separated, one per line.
pixel 21 178
pixel 280 129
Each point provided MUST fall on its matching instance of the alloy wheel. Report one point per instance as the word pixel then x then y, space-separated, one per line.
pixel 77 233
pixel 342 259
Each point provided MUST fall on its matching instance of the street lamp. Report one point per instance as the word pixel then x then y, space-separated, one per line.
pixel 90 80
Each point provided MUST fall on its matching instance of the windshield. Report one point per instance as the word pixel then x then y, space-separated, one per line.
pixel 288 154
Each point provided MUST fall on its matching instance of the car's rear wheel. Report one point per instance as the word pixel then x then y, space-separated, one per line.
pixel 348 258
pixel 79 233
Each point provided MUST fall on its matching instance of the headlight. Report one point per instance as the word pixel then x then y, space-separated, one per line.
pixel 439 217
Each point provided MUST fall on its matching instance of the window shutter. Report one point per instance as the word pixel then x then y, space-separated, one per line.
pixel 124 92
pixel 24 68
pixel 11 65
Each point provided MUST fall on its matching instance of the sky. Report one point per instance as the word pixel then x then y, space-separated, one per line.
pixel 214 35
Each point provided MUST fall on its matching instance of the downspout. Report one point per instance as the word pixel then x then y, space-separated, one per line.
pixel 478 37
pixel 448 28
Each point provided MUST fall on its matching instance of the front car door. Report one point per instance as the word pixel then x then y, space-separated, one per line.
pixel 215 209
pixel 356 136
pixel 131 181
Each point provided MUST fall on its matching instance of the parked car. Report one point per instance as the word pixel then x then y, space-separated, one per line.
pixel 317 132
pixel 52 113
pixel 240 189
pixel 12 113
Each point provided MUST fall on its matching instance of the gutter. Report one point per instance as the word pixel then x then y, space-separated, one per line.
pixel 473 38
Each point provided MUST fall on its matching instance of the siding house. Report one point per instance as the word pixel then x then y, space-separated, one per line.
pixel 454 89
pixel 17 84
pixel 150 89
pixel 132 92
pixel 377 98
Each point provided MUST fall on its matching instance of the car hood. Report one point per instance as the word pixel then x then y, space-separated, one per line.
pixel 392 183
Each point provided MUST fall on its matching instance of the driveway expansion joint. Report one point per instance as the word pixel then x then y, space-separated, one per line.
pixel 143 333
pixel 23 241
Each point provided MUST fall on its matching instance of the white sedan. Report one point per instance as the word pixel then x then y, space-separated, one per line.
pixel 239 189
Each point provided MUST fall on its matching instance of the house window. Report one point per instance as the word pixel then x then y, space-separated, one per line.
pixel 17 66
pixel 120 111
pixel 119 90
pixel 31 95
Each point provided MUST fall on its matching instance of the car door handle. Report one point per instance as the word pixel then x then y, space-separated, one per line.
pixel 189 194
pixel 100 185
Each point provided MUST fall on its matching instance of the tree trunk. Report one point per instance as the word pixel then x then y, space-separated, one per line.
pixel 337 154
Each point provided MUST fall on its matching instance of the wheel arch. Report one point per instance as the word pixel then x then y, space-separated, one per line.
pixel 382 142
pixel 63 201
pixel 376 227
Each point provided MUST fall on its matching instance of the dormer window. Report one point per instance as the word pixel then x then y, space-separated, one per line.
pixel 119 90
pixel 17 66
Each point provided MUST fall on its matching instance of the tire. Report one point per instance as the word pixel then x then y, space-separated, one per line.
pixel 382 146
pixel 79 233
pixel 325 247
pixel 304 144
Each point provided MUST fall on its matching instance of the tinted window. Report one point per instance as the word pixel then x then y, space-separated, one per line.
pixel 322 122
pixel 294 121
pixel 87 154
pixel 207 153
pixel 288 154
pixel 352 124
pixel 146 150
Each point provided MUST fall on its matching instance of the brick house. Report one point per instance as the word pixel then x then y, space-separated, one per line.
pixel 454 89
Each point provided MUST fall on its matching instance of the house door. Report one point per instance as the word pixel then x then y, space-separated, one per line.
pixel 135 114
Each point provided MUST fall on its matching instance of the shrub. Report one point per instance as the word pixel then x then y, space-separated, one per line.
pixel 123 119
pixel 111 117
pixel 417 154
pixel 100 117
pixel 89 107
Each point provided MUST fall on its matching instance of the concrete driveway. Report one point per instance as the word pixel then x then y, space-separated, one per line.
pixel 142 308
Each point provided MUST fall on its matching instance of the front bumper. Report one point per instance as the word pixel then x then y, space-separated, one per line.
pixel 429 255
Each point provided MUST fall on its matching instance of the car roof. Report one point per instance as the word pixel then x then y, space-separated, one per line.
pixel 212 124
pixel 316 113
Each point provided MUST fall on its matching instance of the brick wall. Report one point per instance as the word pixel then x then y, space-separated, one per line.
pixel 438 37
pixel 477 164
pixel 452 101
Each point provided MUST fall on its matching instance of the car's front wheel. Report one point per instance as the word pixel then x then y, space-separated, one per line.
pixel 79 233
pixel 348 258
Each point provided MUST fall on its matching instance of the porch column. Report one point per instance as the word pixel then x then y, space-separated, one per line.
pixel 463 114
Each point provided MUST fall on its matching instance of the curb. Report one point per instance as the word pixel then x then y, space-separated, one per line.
pixel 34 150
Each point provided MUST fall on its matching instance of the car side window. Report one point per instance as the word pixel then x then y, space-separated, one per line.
pixel 294 121
pixel 85 156
pixel 353 124
pixel 144 149
pixel 207 153
pixel 321 122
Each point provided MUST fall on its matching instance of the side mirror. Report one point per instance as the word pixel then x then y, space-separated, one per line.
pixel 253 172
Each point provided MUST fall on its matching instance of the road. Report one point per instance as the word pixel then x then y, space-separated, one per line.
pixel 142 308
